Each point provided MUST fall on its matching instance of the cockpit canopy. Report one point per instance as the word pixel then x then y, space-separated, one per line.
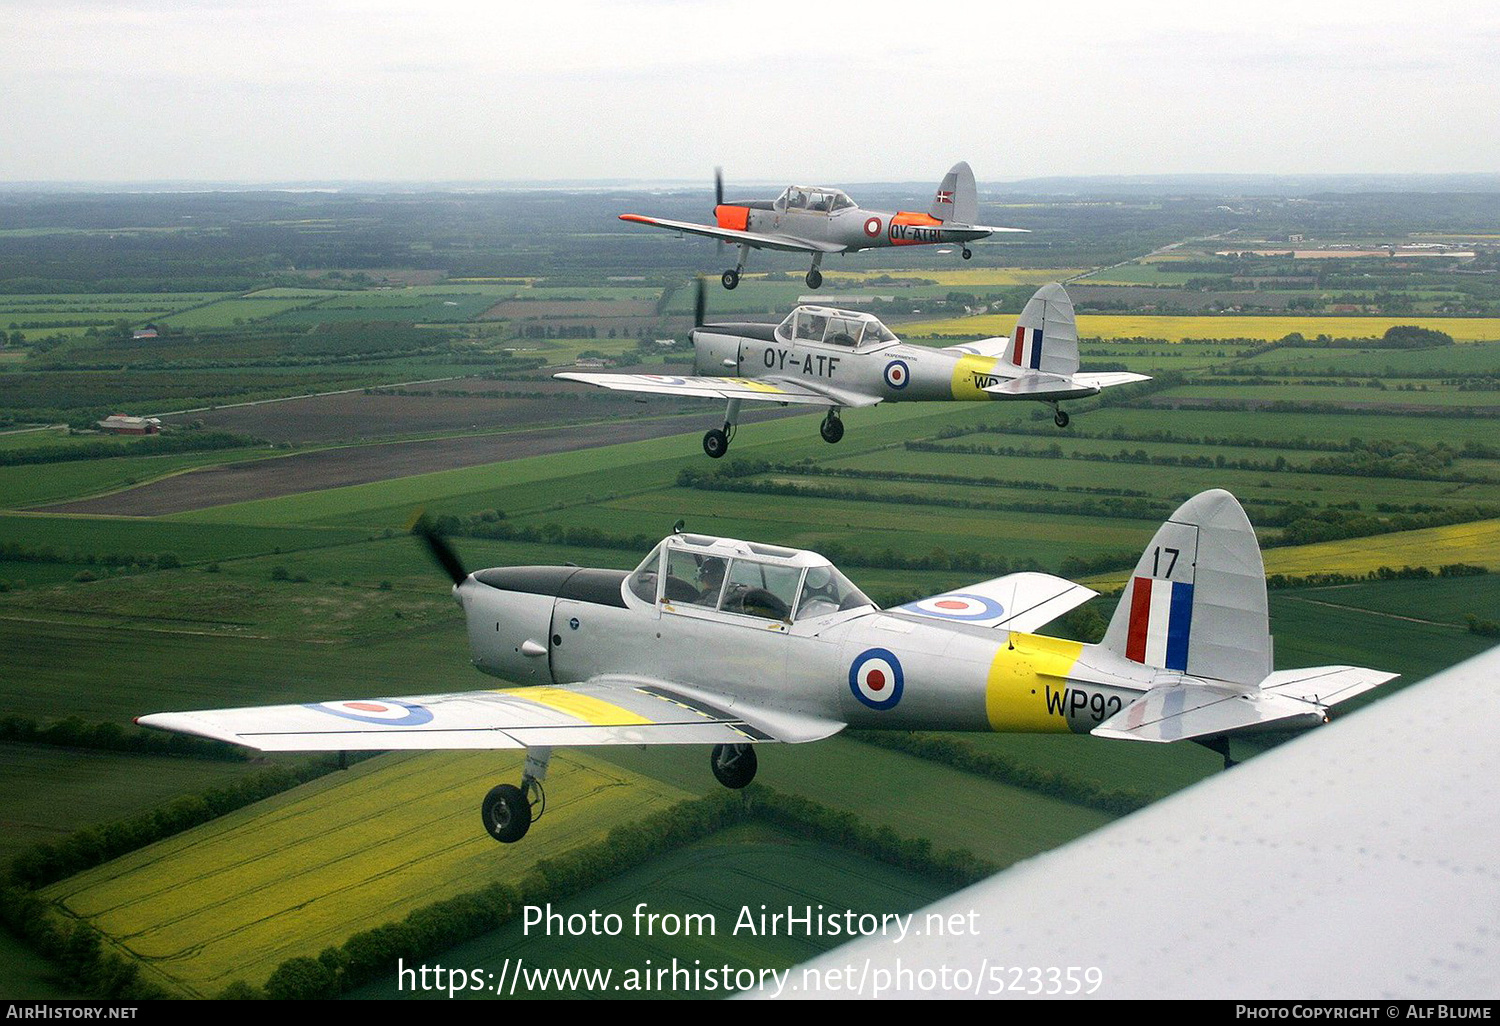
pixel 834 327
pixel 745 578
pixel 815 199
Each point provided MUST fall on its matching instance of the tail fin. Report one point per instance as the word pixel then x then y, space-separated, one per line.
pixel 957 198
pixel 1046 337
pixel 1197 600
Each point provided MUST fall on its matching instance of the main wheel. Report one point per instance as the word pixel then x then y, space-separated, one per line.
pixel 715 443
pixel 1060 418
pixel 733 765
pixel 968 253
pixel 832 429
pixel 730 279
pixel 814 278
pixel 506 813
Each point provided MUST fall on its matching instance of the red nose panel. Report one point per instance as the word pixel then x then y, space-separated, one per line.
pixel 732 217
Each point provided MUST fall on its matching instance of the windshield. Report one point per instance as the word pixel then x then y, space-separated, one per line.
pixel 827 591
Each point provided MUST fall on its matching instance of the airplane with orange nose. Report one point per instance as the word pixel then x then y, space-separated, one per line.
pixel 820 221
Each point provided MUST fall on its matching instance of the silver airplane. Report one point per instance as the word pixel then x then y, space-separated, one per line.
pixel 712 641
pixel 822 357
pixel 820 221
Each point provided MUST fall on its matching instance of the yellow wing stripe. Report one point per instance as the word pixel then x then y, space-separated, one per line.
pixel 757 386
pixel 594 711
pixel 1015 697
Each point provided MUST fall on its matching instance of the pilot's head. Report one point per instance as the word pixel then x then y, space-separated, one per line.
pixel 711 571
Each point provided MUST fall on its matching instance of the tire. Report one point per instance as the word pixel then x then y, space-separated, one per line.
pixel 814 279
pixel 730 279
pixel 1061 418
pixel 733 765
pixel 831 429
pixel 506 813
pixel 715 443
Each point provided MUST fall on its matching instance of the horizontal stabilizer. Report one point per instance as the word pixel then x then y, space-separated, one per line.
pixel 1041 386
pixel 1325 685
pixel 1108 379
pixel 1018 602
pixel 1181 712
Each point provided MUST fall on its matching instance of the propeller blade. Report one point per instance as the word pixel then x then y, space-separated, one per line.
pixel 439 549
pixel 718 186
pixel 700 304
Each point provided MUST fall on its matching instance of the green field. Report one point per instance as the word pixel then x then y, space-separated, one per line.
pixel 745 866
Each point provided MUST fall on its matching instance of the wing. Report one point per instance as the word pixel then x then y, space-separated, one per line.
pixel 785 243
pixel 603 711
pixel 768 390
pixel 1017 602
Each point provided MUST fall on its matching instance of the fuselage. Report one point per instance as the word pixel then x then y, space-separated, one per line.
pixel 891 371
pixel 848 226
pixel 868 668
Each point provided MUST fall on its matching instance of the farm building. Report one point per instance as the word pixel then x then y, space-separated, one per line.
pixel 122 424
pixel 149 331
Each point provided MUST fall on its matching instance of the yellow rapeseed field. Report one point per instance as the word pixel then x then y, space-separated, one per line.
pixel 1178 329
pixel 290 876
pixel 1477 543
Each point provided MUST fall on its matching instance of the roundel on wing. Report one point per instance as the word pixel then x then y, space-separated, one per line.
pixel 958 606
pixel 876 679
pixel 872 227
pixel 665 379
pixel 897 374
pixel 381 710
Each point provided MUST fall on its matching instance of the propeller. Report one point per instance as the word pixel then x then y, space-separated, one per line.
pixel 718 202
pixel 438 548
pixel 700 303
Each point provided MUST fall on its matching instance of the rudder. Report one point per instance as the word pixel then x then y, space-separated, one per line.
pixel 1046 336
pixel 957 198
pixel 1197 600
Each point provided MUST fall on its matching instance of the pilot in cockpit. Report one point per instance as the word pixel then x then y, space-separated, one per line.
pixel 710 581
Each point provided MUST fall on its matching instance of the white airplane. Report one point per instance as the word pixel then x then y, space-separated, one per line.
pixel 822 357
pixel 711 641
pixel 819 221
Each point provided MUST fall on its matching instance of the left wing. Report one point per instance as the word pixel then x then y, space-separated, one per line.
pixel 784 243
pixel 756 389
pixel 603 711
pixel 1018 602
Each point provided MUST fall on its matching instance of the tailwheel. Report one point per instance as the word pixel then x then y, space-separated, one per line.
pixel 733 765
pixel 506 813
pixel 730 279
pixel 1060 418
pixel 814 278
pixel 832 429
pixel 968 253
pixel 715 443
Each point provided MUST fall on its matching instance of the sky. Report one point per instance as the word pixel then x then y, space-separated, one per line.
pixel 445 90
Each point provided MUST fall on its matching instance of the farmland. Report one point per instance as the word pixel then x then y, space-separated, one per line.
pixel 278 568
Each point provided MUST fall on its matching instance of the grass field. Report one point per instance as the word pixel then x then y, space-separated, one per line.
pixel 1182 328
pixel 289 876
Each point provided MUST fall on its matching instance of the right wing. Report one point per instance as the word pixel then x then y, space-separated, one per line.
pixel 757 389
pixel 784 243
pixel 1023 602
pixel 605 711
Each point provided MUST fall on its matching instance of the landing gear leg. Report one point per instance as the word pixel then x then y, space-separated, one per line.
pixel 1059 417
pixel 1219 746
pixel 968 253
pixel 716 442
pixel 508 810
pixel 733 765
pixel 730 279
pixel 815 276
pixel 832 428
